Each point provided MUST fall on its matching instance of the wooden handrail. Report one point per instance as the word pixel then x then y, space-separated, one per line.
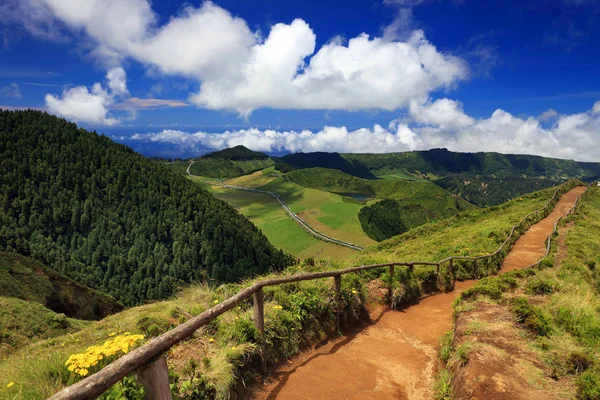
pixel 96 384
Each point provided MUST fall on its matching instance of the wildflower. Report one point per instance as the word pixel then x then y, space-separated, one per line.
pixel 354 291
pixel 112 334
pixel 236 318
pixel 278 307
pixel 10 384
pixel 216 301
pixel 234 348
pixel 239 307
pixel 211 340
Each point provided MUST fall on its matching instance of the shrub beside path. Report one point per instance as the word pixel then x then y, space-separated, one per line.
pixel 395 357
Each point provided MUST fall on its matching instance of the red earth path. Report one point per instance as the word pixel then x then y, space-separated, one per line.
pixel 396 356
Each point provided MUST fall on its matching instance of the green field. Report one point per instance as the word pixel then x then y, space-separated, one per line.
pixel 266 213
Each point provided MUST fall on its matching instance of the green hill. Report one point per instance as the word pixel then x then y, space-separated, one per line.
pixel 237 153
pixel 408 204
pixel 225 355
pixel 26 279
pixel 230 163
pixel 497 177
pixel 110 219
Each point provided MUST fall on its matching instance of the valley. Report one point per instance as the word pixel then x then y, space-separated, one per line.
pixel 104 256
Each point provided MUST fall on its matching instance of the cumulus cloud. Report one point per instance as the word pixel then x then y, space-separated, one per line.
pixel 575 136
pixel 240 70
pixel 81 104
pixel 444 113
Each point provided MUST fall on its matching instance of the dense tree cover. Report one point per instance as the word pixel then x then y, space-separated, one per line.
pixel 442 162
pixel 222 168
pixel 108 218
pixel 388 218
pixel 237 153
pixel 327 160
pixel 489 190
pixel 382 220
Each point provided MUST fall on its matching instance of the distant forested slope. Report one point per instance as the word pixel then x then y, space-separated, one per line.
pixel 108 218
pixel 230 163
pixel 481 178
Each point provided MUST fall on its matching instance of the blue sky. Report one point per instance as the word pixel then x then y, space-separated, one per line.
pixel 173 78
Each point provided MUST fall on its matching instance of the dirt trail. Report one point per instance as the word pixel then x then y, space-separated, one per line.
pixel 396 356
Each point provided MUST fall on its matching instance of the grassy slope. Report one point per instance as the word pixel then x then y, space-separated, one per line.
pixel 565 302
pixel 305 317
pixel 336 181
pixel 419 201
pixel 23 323
pixel 266 213
pixel 226 169
pixel 472 232
pixel 327 212
pixel 27 279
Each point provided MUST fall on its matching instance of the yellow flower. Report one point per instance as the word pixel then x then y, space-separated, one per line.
pixel 236 318
pixel 10 384
pixel 354 291
pixel 211 340
pixel 112 334
pixel 216 301
pixel 234 348
pixel 278 307
pixel 239 307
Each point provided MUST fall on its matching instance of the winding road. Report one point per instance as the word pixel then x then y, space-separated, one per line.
pixel 288 210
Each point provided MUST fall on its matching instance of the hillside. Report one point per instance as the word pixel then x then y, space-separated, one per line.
pixel 481 178
pixel 113 220
pixel 297 315
pixel 407 204
pixel 26 279
pixel 547 323
pixel 237 153
pixel 230 163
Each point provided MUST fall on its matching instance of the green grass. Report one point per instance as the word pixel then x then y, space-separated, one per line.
pixel 223 354
pixel 23 323
pixel 266 213
pixel 469 233
pixel 559 306
pixel 306 317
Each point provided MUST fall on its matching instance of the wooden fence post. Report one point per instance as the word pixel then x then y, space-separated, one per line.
pixel 412 267
pixel 391 286
pixel 475 272
pixel 259 323
pixel 337 284
pixel 437 275
pixel 154 378
pixel 451 270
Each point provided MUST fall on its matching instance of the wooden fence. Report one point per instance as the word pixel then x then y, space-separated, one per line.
pixel 151 367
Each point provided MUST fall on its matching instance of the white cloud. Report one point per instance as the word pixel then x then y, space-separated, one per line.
pixel 575 136
pixel 89 106
pixel 117 81
pixel 237 69
pixel 444 113
pixel 12 91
